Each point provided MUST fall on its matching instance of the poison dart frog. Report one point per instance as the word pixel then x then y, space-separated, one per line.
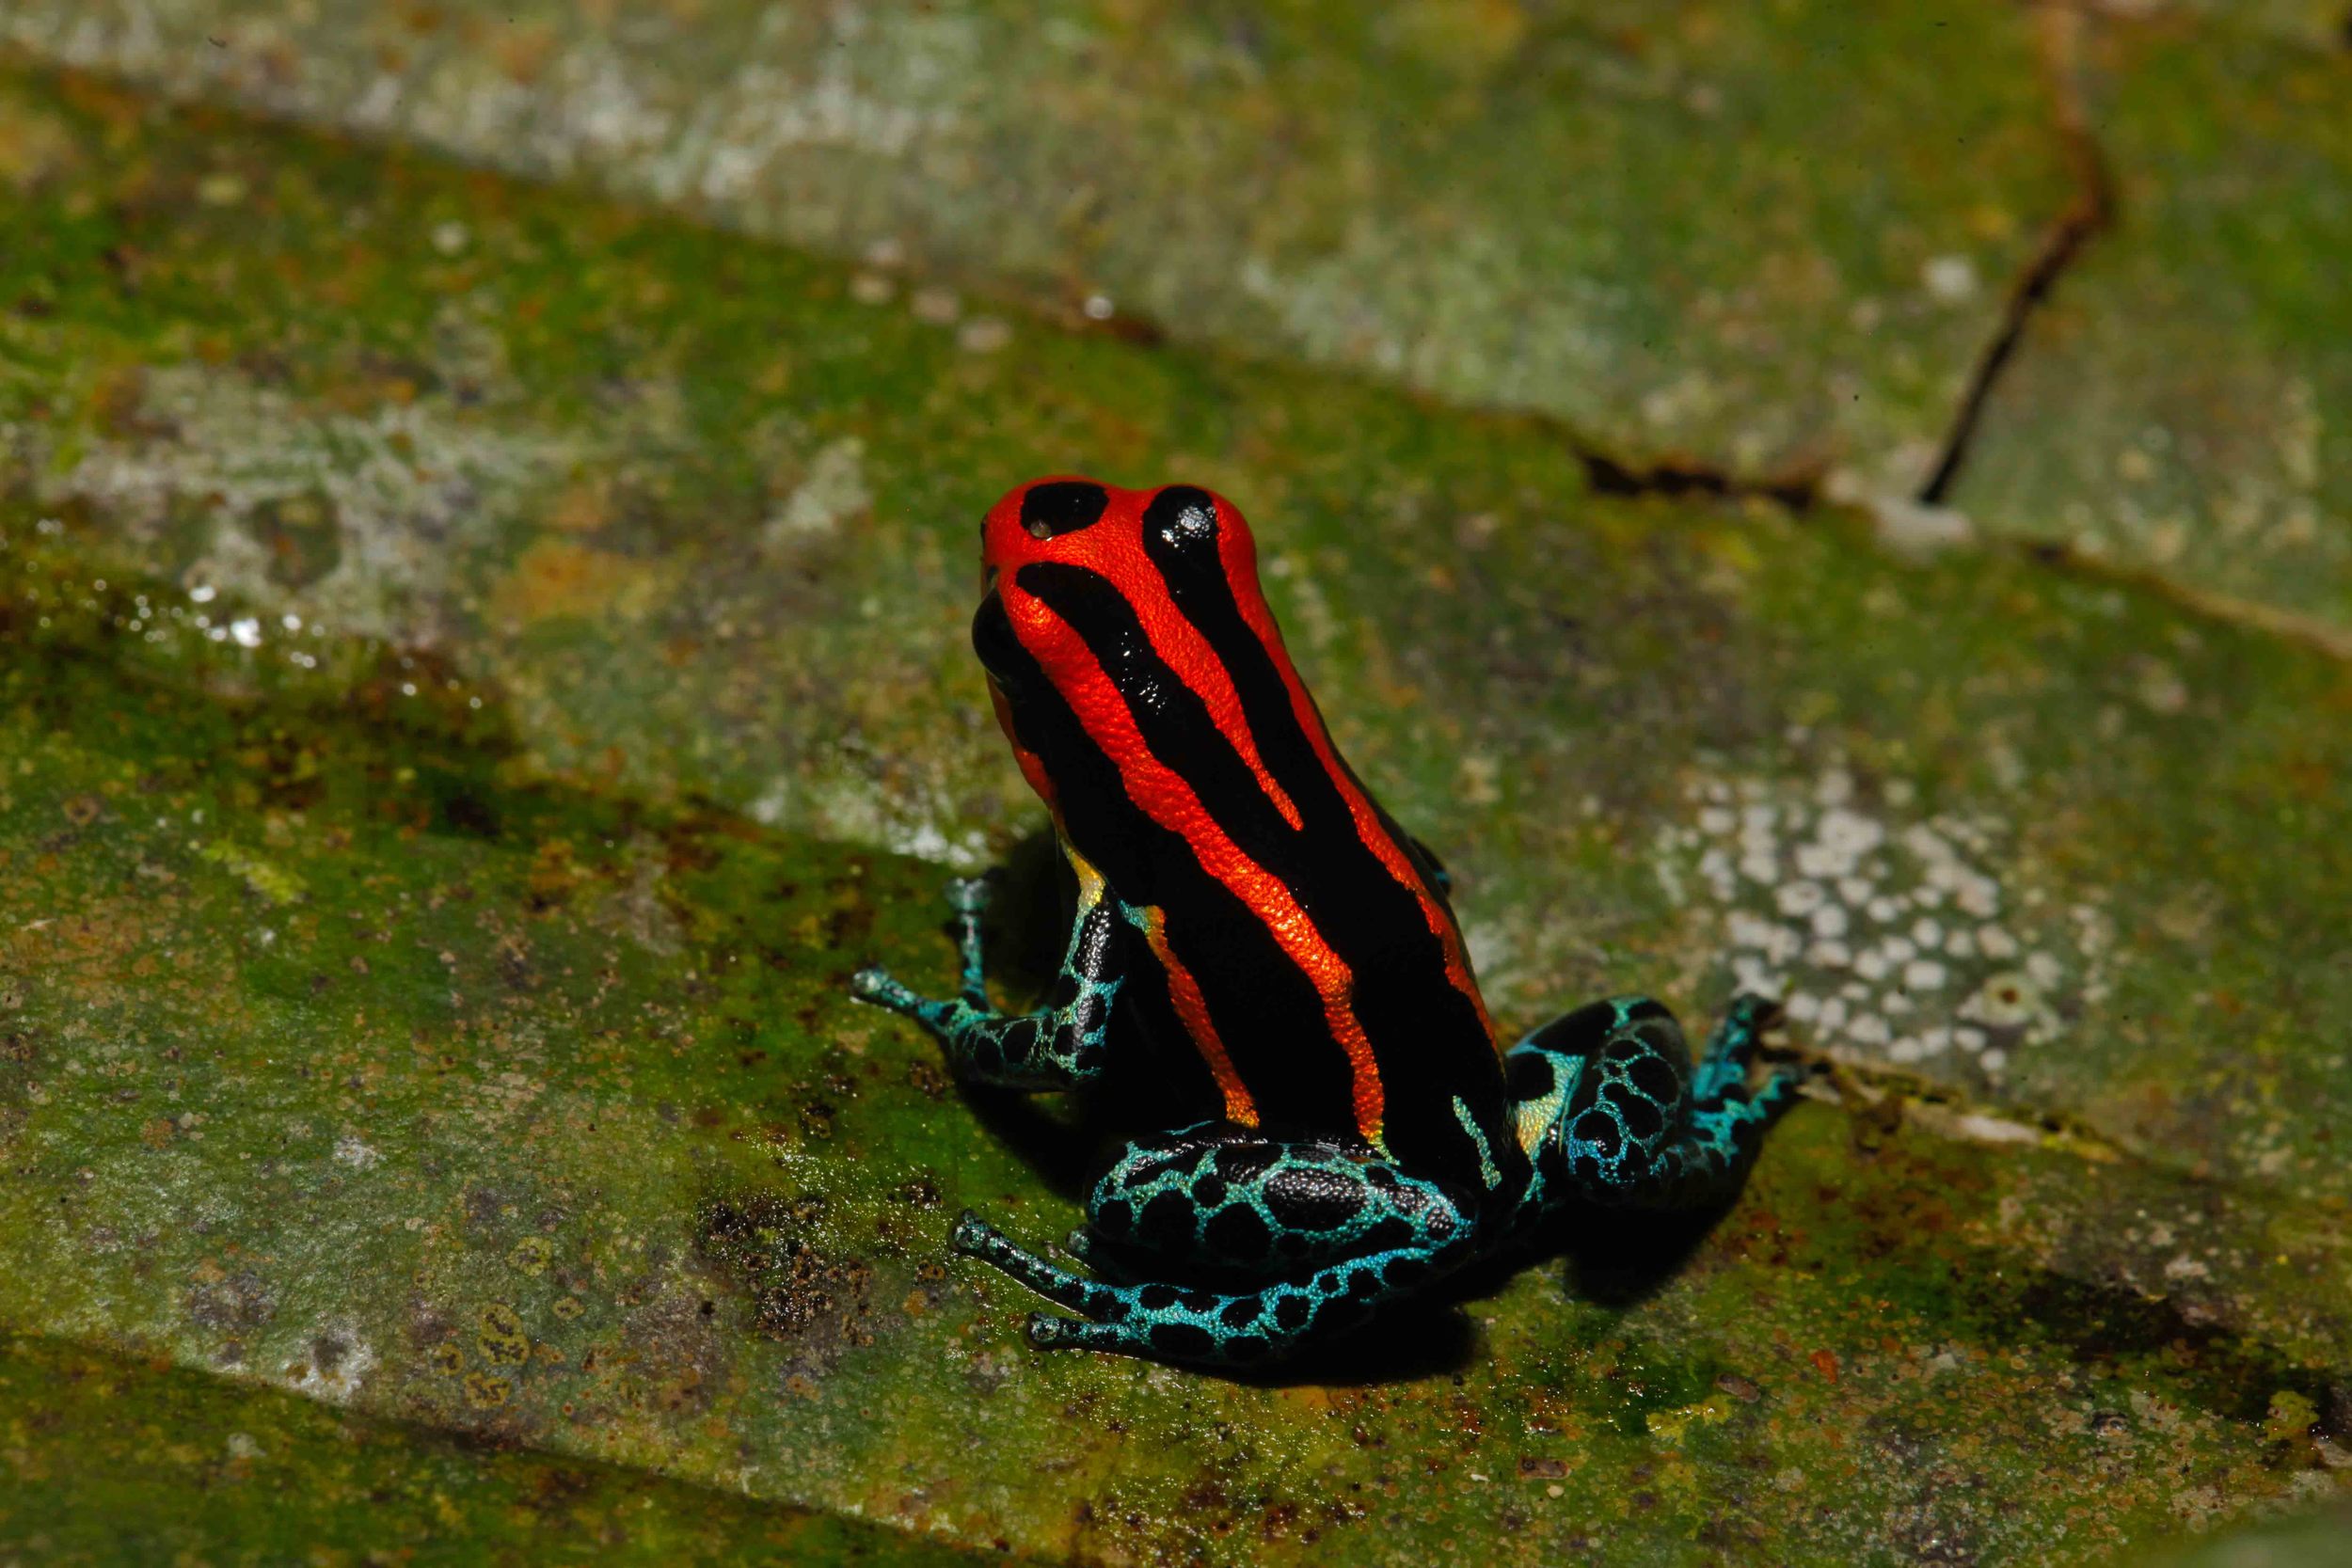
pixel 1241 891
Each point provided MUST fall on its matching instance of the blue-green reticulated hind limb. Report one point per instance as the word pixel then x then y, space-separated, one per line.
pixel 1606 1102
pixel 1366 1234
pixel 1224 1245
pixel 1610 1110
pixel 1057 1047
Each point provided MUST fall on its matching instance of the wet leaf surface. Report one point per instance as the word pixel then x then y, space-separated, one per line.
pixel 2183 405
pixel 483 664
pixel 1761 241
pixel 114 1459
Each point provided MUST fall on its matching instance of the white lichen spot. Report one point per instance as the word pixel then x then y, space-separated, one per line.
pixel 333 1365
pixel 2161 689
pixel 1949 280
pixel 906 822
pixel 1800 898
pixel 402 494
pixel 350 1151
pixel 984 334
pixel 833 492
pixel 2005 1001
pixel 1880 929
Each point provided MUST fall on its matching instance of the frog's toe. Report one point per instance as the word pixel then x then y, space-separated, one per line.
pixel 974 1236
pixel 1079 1244
pixel 875 986
pixel 1048 1332
pixel 968 894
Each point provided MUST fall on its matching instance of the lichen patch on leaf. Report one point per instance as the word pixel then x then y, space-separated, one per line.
pixel 1900 938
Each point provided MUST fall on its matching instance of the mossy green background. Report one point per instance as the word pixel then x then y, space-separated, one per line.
pixel 487 519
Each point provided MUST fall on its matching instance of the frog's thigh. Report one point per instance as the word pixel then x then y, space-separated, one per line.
pixel 1229 1197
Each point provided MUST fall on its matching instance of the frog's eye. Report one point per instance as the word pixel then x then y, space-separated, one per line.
pixel 1181 515
pixel 1064 506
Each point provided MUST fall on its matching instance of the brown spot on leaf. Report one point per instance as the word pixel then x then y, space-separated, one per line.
pixel 231 1303
pixel 799 1292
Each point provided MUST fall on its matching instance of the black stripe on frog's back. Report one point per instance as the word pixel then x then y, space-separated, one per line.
pixel 1428 1040
pixel 1210 931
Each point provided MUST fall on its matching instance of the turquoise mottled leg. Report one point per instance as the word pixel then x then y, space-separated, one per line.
pixel 1404 1237
pixel 1611 1110
pixel 1056 1046
pixel 1726 1121
pixel 1330 1231
pixel 1229 1201
pixel 1732 1046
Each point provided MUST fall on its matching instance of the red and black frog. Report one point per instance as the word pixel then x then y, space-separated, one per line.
pixel 1240 890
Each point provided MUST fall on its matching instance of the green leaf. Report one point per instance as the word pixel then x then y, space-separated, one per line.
pixel 2183 405
pixel 119 1460
pixel 1763 240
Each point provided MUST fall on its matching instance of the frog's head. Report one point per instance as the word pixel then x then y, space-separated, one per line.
pixel 1146 542
pixel 1098 601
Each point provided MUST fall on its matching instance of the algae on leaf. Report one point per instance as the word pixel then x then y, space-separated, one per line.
pixel 1766 241
pixel 2181 405
pixel 112 1459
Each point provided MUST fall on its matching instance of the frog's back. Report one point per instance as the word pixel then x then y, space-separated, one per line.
pixel 1308 953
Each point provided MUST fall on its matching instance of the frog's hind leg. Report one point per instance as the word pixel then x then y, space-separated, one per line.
pixel 1727 1119
pixel 1611 1110
pixel 1056 1047
pixel 1333 1233
pixel 1222 1200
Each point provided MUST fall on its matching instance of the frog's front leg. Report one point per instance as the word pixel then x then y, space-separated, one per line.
pixel 1610 1110
pixel 1332 1233
pixel 1056 1047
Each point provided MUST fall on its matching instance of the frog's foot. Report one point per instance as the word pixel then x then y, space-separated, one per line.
pixel 1607 1105
pixel 1170 1323
pixel 1054 1047
pixel 975 1237
pixel 968 896
pixel 1732 1046
pixel 954 1021
pixel 1105 1262
pixel 877 986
